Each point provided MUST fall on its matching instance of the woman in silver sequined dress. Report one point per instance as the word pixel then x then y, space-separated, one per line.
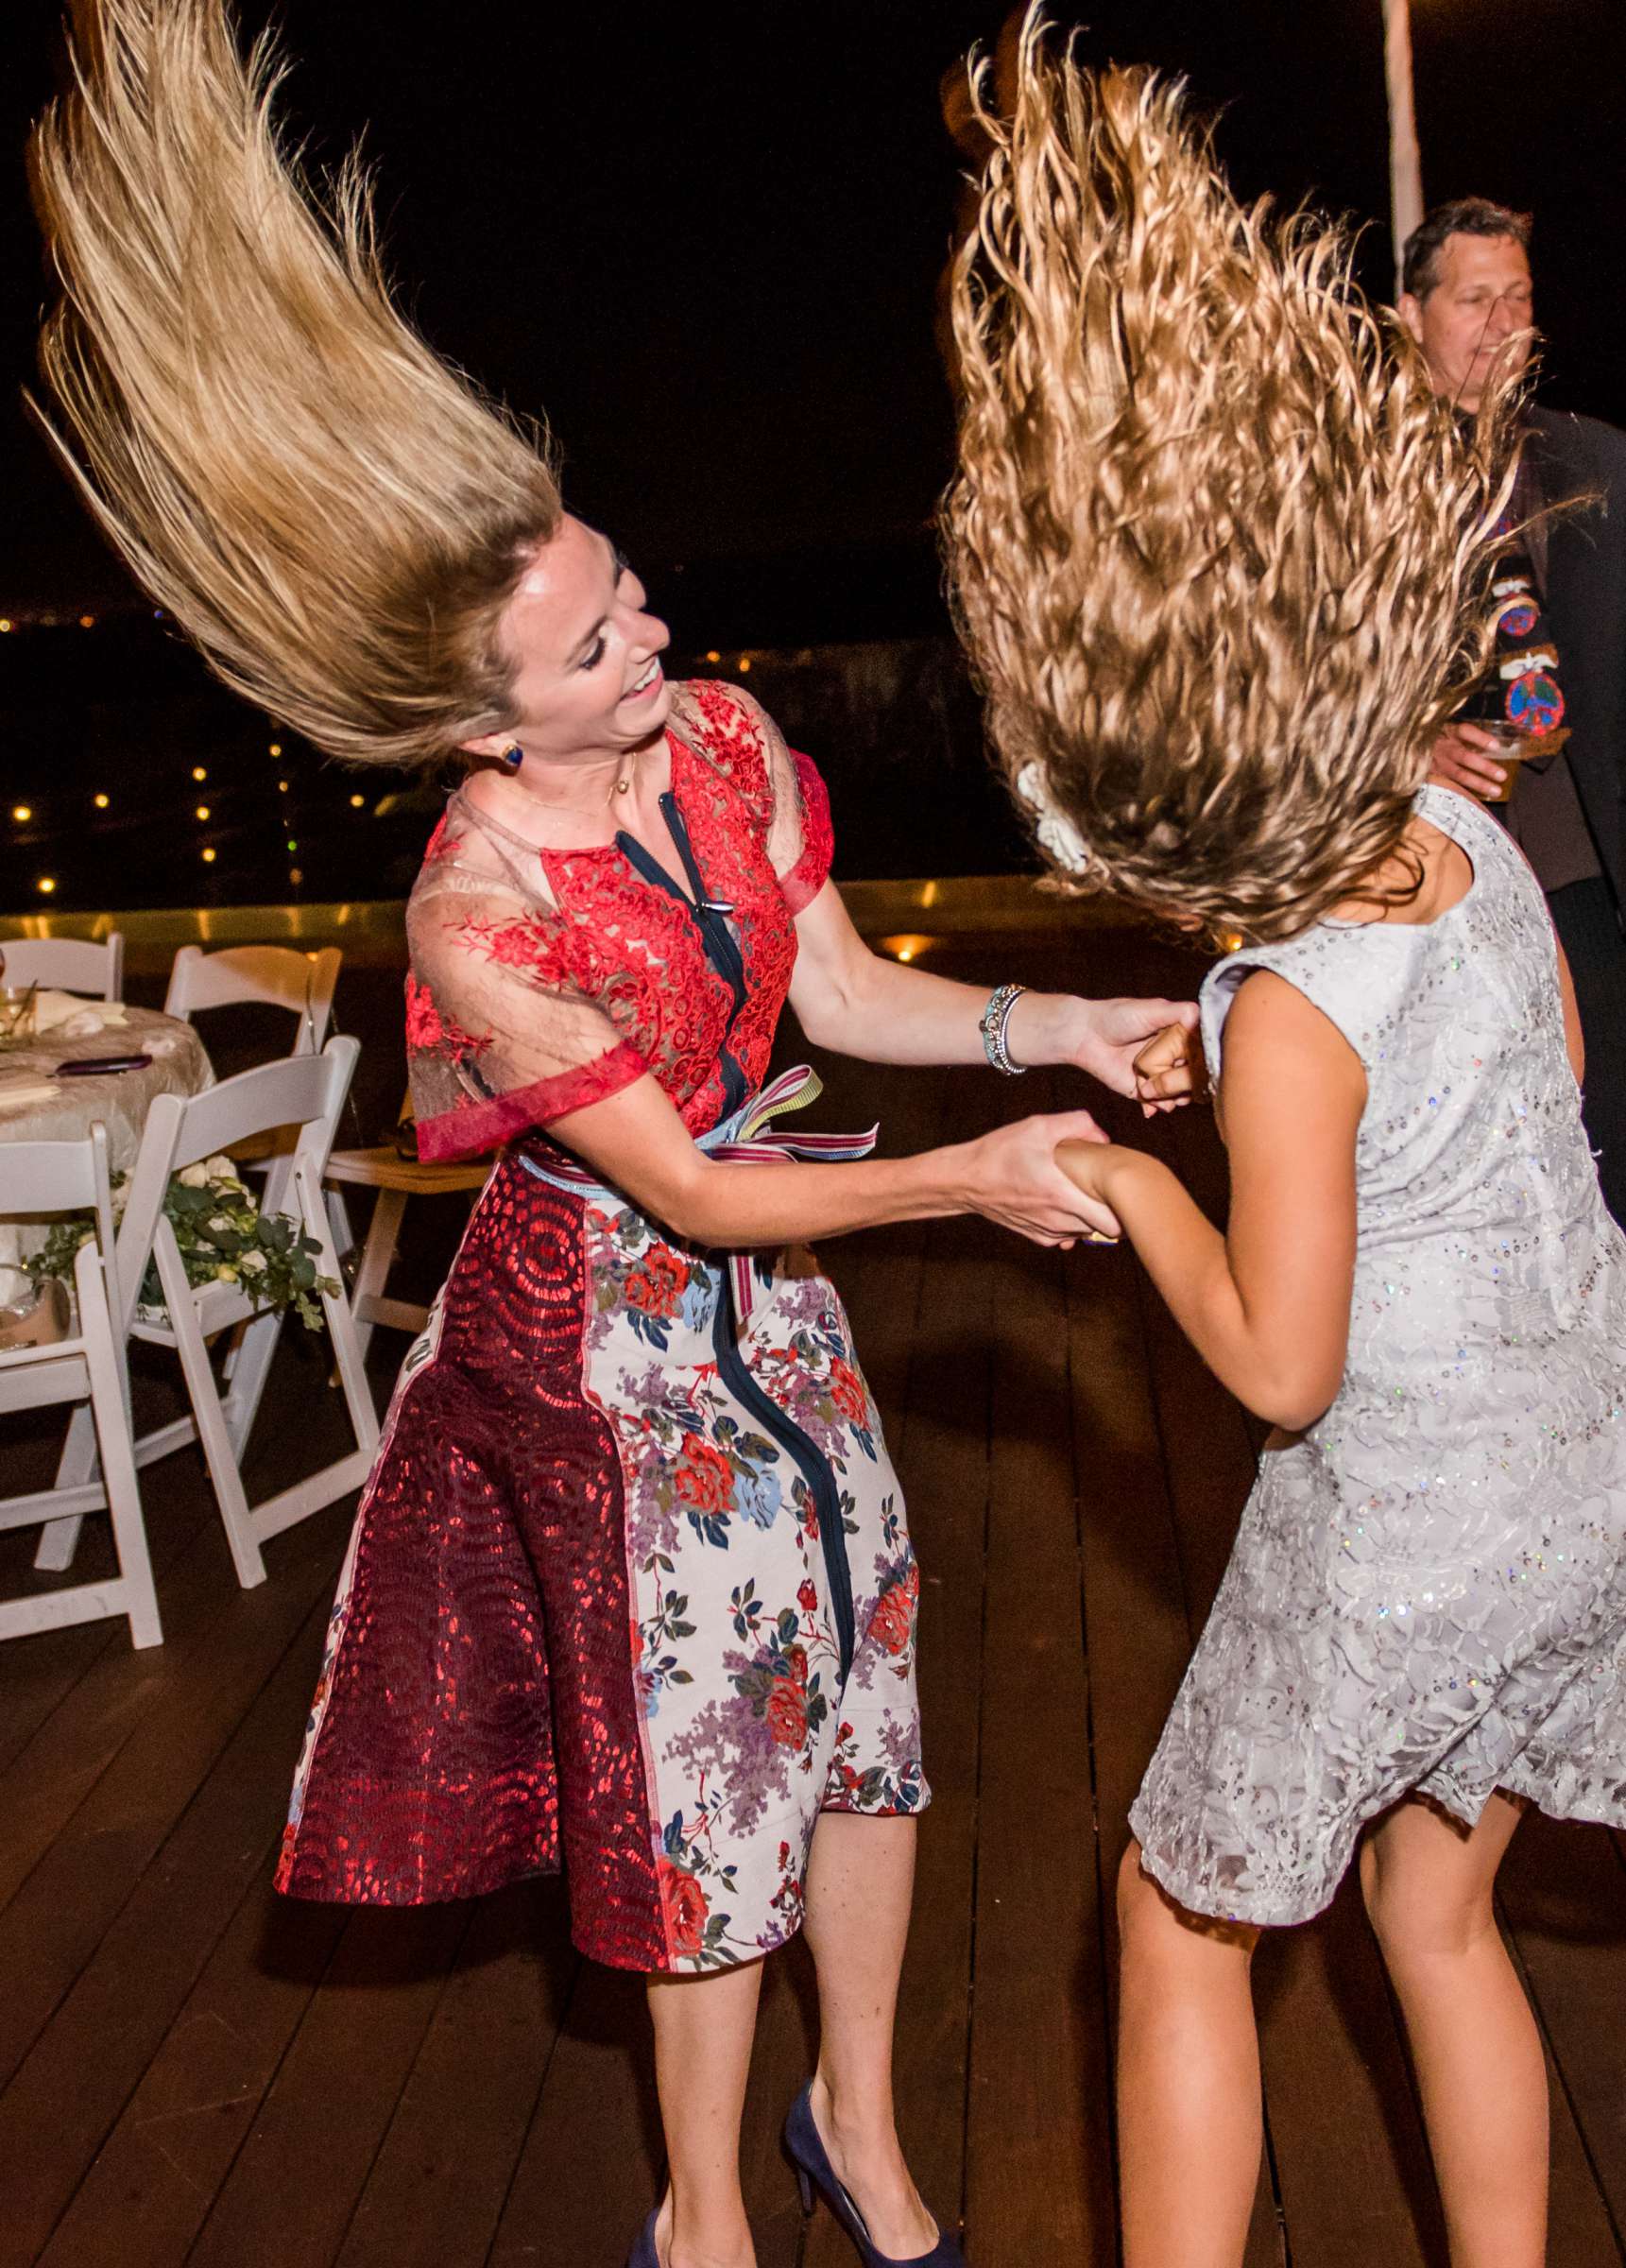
pixel 1217 658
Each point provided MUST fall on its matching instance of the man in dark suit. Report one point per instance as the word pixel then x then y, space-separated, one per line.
pixel 1467 294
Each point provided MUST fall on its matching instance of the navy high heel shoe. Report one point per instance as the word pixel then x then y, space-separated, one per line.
pixel 643 2254
pixel 813 2171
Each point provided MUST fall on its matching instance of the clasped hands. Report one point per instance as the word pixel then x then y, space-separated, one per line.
pixel 1144 1049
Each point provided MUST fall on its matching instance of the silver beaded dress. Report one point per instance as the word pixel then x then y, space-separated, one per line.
pixel 1428 1589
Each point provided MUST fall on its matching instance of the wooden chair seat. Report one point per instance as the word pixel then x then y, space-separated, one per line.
pixel 386 1168
pixel 395 1178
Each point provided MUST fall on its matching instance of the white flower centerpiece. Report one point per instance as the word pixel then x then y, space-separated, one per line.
pixel 222 1236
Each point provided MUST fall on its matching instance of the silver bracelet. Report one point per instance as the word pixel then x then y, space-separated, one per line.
pixel 996 1019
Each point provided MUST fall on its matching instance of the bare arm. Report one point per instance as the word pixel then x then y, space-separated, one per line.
pixel 858 1002
pixel 1267 1304
pixel 636 1140
pixel 1573 1041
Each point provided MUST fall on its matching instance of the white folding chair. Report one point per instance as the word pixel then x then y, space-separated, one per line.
pixel 274 975
pixel 302 1093
pixel 67 964
pixel 88 1367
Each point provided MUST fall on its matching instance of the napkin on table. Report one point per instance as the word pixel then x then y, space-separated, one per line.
pixel 75 1019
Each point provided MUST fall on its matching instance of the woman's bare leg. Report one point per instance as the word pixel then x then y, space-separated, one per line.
pixel 860 1881
pixel 1428 1887
pixel 1189 2127
pixel 703 2031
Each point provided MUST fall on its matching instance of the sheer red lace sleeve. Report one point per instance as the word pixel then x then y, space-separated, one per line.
pixel 498 1038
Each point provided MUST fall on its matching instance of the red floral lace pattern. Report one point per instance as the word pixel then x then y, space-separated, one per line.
pixel 632 950
pixel 803 885
pixel 733 743
pixel 732 855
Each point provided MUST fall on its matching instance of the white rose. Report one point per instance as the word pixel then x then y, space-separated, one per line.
pixel 221 1167
pixel 225 1274
pixel 252 1263
pixel 194 1176
pixel 218 1220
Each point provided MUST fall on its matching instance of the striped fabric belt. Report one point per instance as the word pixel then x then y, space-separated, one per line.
pixel 748 1138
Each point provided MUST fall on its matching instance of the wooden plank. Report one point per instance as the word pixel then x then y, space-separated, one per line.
pixel 437 2187
pixel 223 1651
pixel 91 2054
pixel 296 2182
pixel 151 2185
pixel 1563 1893
pixel 587 2174
pixel 124 1692
pixel 1039 2174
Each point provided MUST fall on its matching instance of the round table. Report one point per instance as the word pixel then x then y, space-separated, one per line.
pixel 35 1105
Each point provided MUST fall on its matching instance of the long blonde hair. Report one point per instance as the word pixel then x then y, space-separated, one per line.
pixel 333 515
pixel 1216 545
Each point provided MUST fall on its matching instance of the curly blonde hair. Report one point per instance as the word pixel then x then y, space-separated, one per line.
pixel 336 517
pixel 1215 543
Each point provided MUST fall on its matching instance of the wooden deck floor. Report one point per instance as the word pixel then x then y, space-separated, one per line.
pixel 192 2070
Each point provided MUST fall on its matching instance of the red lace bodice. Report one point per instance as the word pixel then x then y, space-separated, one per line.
pixel 524 1003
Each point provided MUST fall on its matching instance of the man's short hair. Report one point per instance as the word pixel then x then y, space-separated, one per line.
pixel 1462 217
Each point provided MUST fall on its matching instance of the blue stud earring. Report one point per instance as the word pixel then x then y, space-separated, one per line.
pixel 512 757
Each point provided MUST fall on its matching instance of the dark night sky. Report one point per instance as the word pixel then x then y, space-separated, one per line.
pixel 704 237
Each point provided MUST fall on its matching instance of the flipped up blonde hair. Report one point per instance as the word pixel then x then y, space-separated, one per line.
pixel 334 516
pixel 1216 545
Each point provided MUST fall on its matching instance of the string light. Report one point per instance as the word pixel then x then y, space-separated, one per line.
pixel 282 787
pixel 713 655
pixel 276 748
pixel 203 811
pixel 356 802
pixel 21 813
pixel 744 660
pixel 292 845
pixel 295 876
pixel 209 855
pixel 87 622
pixel 101 803
pixel 47 883
pixel 4 622
pixel 198 772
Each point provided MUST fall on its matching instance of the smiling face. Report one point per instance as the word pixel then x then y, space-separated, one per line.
pixel 588 681
pixel 1479 299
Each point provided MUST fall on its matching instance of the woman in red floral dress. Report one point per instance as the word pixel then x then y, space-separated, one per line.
pixel 631 1586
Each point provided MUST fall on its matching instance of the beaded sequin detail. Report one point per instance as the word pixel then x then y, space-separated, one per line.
pixel 1429 1590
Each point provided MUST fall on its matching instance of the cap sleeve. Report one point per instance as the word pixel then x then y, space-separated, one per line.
pixel 780 787
pixel 801 843
pixel 1355 974
pixel 498 1038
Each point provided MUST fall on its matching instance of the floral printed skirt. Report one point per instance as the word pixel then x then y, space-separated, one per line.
pixel 631 1589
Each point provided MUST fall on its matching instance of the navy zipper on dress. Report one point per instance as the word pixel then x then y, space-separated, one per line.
pixel 722 948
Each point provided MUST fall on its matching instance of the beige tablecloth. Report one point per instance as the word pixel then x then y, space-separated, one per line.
pixel 37 1107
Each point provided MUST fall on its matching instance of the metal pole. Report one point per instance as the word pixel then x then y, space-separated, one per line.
pixel 1405 160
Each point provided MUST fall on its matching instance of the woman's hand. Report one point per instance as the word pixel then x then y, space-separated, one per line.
pixel 1106 1038
pixel 1011 1175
